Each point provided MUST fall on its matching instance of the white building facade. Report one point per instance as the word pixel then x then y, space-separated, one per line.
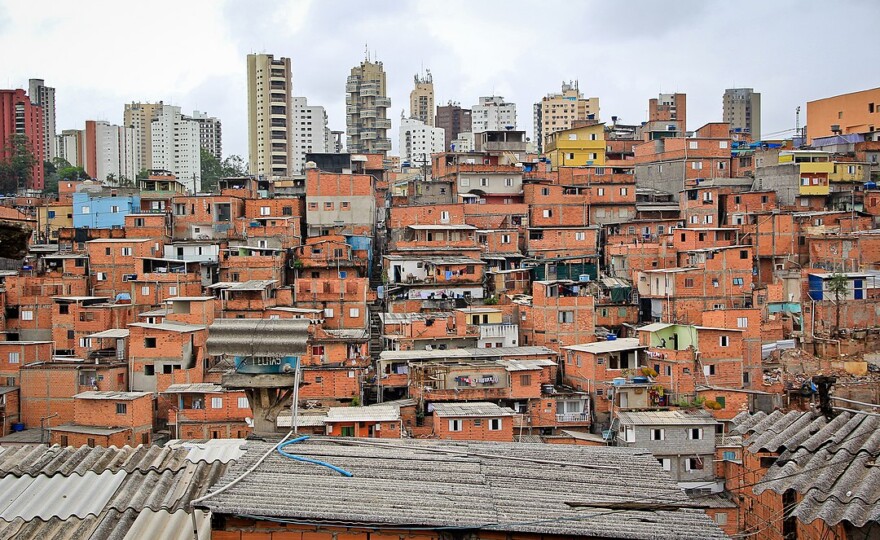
pixel 310 133
pixel 418 141
pixel 176 144
pixel 493 114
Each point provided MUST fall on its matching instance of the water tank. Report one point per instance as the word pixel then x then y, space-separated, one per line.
pixel 640 379
pixel 617 381
pixel 584 277
pixel 17 426
pixel 870 185
pixel 611 337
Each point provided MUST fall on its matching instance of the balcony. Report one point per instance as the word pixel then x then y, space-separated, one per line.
pixel 573 417
pixel 383 123
pixel 351 87
pixel 367 135
pixel 382 145
pixel 383 102
pixel 368 113
pixel 369 91
pixel 351 109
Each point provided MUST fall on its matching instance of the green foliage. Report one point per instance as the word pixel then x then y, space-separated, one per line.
pixel 143 174
pixel 213 169
pixel 72 173
pixel 491 301
pixel 838 286
pixel 17 169
pixel 355 401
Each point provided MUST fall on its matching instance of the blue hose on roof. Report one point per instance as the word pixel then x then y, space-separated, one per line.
pixel 341 471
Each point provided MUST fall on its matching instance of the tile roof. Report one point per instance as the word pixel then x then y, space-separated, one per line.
pixel 831 464
pixel 432 484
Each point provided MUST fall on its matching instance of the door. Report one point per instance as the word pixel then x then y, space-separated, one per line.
pixel 624 400
pixel 348 431
pixel 858 291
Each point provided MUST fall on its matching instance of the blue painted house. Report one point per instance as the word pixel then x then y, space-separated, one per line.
pixel 104 209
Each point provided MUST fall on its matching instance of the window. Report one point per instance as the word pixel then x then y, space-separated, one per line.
pixel 328 313
pixel 629 432
pixel 742 322
pixel 695 434
pixel 346 205
pixel 737 281
pixel 465 182
pixel 623 191
pixel 455 425
pixel 697 165
pixel 444 215
pixel 666 463
pixel 508 182
pixel 547 213
pixel 328 205
pixel 721 518
pixel 114 209
pixel 709 370
pixel 14 357
pixel 600 192
pixel 693 145
pixel 565 316
pixel 495 424
pixel 689 282
pixel 126 252
pixel 64 441
pixel 728 455
pixel 85 342
pixel 107 251
pixel 265 210
pixel 580 236
pixel 478 422
pixel 243 403
pixel 722 144
pixel 90 442
pixel 658 434
pixel 149 370
pixel 505 238
pixel 484 182
pixel 102 276
pixel 216 402
pixel 693 464
pixel 27 315
pixel 525 380
pixel 121 408
pixel 354 312
pixel 149 343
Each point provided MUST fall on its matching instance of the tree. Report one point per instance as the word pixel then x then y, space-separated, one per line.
pixel 72 173
pixel 213 169
pixel 838 286
pixel 17 165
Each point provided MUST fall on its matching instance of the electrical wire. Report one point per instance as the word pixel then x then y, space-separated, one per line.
pixel 280 447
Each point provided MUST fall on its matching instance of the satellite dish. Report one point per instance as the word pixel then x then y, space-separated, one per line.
pixel 249 421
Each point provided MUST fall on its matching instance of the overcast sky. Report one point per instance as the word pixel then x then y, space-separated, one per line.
pixel 101 54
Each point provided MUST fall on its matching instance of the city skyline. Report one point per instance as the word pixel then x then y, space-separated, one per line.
pixel 648 38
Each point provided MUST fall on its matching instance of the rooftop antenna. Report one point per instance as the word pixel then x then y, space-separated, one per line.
pixel 367 52
pixel 797 123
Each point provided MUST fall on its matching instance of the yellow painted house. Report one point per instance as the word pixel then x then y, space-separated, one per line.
pixel 814 167
pixel 52 218
pixel 577 147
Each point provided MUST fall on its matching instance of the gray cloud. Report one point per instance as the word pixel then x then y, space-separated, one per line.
pixel 623 52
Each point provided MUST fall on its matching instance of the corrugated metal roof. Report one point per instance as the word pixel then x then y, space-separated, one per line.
pixel 104 493
pixel 117 333
pixel 416 483
pixel 374 413
pixel 599 347
pixel 195 388
pixel 170 327
pixel 830 463
pixel 43 497
pixel 466 353
pixel 111 395
pixel 38 459
pixel 304 420
pixel 666 418
pixel 258 337
pixel 88 430
pixel 219 450
pixel 478 408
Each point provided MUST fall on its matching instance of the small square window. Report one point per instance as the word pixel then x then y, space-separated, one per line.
pixel 149 343
pixel 121 408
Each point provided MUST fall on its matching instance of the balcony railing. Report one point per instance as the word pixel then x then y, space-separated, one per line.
pixel 573 417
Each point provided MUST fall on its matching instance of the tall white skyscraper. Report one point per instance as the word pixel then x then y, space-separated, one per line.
pixel 310 132
pixel 493 114
pixel 176 143
pixel 44 97
pixel 418 141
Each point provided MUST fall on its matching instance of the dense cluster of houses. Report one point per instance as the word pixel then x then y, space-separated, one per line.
pixel 644 299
